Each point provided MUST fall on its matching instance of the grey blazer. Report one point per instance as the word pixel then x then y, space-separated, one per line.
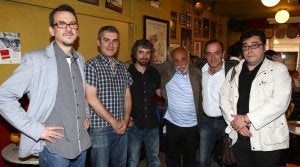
pixel 36 76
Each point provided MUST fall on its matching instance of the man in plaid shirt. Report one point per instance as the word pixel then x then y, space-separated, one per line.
pixel 109 98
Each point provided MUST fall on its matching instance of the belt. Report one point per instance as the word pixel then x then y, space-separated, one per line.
pixel 216 118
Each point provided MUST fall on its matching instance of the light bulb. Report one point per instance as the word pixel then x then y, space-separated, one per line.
pixel 270 3
pixel 282 16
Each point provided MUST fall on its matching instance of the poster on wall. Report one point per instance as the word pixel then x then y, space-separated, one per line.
pixel 10 48
pixel 157 31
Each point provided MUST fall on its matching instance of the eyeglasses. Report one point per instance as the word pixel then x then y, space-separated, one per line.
pixel 218 53
pixel 253 46
pixel 64 25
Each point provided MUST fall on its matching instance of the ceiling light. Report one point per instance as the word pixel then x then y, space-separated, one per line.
pixel 198 7
pixel 282 16
pixel 269 3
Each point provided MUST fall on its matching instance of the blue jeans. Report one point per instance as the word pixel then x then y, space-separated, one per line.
pixel 49 159
pixel 211 131
pixel 150 137
pixel 108 148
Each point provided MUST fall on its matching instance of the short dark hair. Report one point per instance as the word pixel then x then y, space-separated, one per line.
pixel 270 53
pixel 143 43
pixel 235 50
pixel 108 28
pixel 253 32
pixel 211 42
pixel 61 8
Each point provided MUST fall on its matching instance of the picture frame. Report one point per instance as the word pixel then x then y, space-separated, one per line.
pixel 157 31
pixel 182 19
pixel 116 5
pixel 94 2
pixel 188 20
pixel 205 28
pixel 186 39
pixel 197 48
pixel 197 27
pixel 213 30
pixel 173 25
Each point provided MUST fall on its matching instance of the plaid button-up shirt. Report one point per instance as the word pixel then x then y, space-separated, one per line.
pixel 111 86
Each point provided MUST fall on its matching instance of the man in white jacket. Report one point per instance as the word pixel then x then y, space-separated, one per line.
pixel 253 99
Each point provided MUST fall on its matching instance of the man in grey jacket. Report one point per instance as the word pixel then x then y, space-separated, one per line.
pixel 55 125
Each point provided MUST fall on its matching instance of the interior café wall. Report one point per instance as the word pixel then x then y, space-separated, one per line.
pixel 182 7
pixel 30 19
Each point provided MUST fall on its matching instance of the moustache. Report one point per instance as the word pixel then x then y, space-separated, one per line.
pixel 68 33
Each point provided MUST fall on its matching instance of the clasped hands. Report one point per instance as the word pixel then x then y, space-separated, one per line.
pixel 120 127
pixel 240 124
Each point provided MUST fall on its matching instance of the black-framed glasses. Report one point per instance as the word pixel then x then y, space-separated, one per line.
pixel 253 46
pixel 64 25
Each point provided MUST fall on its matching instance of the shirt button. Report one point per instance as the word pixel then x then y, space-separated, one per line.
pixel 145 100
pixel 145 108
pixel 77 104
pixel 78 117
pixel 75 91
pixel 146 116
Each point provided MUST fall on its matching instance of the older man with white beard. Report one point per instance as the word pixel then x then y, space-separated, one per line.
pixel 181 88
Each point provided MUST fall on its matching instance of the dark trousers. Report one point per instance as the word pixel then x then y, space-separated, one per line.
pixel 247 158
pixel 181 141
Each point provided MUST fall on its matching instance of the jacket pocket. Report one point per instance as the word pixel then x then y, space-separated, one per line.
pixel 274 134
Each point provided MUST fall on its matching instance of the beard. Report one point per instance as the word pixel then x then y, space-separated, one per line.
pixel 182 69
pixel 143 62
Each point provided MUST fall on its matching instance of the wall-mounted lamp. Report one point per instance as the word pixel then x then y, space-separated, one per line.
pixel 282 16
pixel 270 3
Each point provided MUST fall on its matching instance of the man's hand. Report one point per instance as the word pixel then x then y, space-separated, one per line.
pixel 86 123
pixel 239 122
pixel 245 132
pixel 49 133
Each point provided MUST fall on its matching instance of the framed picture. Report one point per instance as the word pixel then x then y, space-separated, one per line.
pixel 197 48
pixel 188 20
pixel 205 28
pixel 197 27
pixel 94 2
pixel 182 18
pixel 186 38
pixel 213 30
pixel 173 25
pixel 219 32
pixel 116 5
pixel 157 31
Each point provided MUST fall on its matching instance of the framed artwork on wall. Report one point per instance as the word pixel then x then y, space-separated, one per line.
pixel 197 27
pixel 205 28
pixel 188 20
pixel 116 5
pixel 182 19
pixel 157 31
pixel 173 25
pixel 94 2
pixel 186 39
pixel 213 30
pixel 197 48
